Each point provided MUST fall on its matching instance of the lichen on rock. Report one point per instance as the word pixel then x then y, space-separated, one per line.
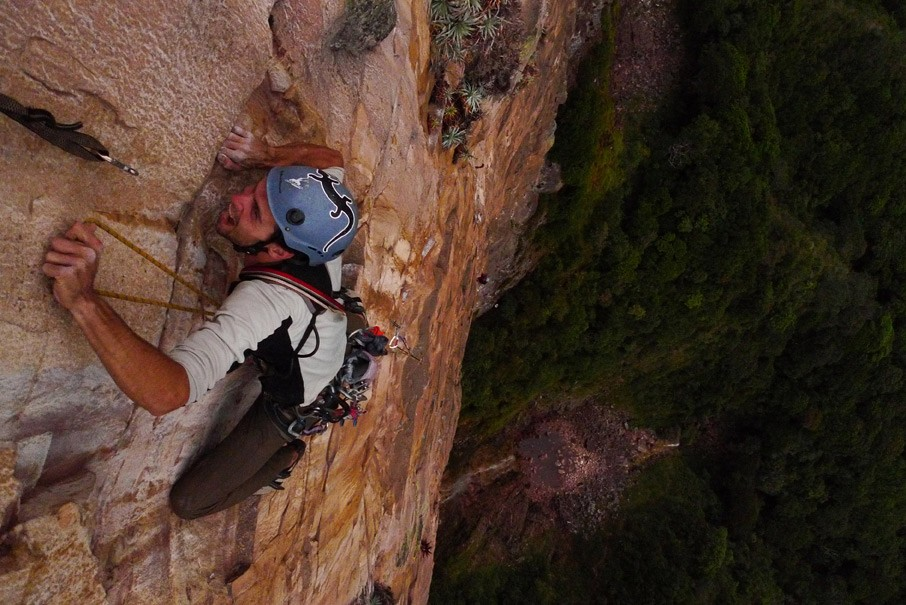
pixel 364 24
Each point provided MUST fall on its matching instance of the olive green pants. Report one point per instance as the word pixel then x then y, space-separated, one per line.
pixel 250 457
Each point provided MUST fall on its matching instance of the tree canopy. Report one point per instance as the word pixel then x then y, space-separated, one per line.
pixel 735 267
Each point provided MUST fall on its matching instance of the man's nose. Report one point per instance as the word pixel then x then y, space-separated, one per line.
pixel 240 199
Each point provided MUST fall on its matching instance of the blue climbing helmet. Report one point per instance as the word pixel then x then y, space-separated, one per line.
pixel 315 213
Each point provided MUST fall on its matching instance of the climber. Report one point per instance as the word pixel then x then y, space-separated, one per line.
pixel 296 222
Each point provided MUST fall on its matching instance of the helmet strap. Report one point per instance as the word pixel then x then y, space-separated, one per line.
pixel 257 247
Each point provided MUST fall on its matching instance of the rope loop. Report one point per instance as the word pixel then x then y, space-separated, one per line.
pixel 171 273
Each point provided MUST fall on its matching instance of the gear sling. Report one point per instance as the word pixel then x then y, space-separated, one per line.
pixel 265 446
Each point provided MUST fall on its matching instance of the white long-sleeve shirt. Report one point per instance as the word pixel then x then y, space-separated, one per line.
pixel 250 314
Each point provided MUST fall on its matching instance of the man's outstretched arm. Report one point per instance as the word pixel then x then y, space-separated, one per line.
pixel 242 149
pixel 146 375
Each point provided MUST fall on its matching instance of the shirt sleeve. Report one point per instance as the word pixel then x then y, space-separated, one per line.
pixel 250 314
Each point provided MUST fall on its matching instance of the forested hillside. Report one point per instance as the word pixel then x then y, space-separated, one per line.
pixel 734 268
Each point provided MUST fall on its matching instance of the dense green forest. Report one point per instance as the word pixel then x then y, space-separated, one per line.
pixel 733 267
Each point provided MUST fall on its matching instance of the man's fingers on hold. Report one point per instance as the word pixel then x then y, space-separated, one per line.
pixel 230 164
pixel 235 142
pixel 240 131
pixel 85 234
pixel 53 270
pixel 78 229
pixel 60 259
pixel 73 248
pixel 65 245
pixel 226 162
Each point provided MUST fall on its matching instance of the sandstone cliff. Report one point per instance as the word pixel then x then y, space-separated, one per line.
pixel 84 476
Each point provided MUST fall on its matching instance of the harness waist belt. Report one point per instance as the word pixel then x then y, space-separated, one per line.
pixel 281 417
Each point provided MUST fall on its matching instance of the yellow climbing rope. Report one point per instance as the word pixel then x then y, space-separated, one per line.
pixel 148 301
pixel 157 303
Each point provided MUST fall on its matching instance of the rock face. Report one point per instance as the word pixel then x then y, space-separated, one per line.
pixel 84 476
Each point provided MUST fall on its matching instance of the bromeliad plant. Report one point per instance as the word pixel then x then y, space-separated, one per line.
pixel 464 32
pixel 472 94
pixel 459 108
pixel 451 39
pixel 453 137
pixel 489 26
pixel 459 25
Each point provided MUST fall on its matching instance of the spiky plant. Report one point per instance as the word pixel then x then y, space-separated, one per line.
pixel 453 136
pixel 471 7
pixel 448 49
pixel 458 30
pixel 450 112
pixel 472 95
pixel 426 547
pixel 462 153
pixel 489 26
pixel 448 95
pixel 440 11
pixel 381 595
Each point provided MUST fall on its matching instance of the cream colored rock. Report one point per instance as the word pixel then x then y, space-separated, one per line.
pixel 10 488
pixel 53 561
pixel 31 456
pixel 159 83
pixel 14 586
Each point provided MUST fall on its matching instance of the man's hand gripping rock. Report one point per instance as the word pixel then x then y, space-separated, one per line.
pixel 241 149
pixel 72 262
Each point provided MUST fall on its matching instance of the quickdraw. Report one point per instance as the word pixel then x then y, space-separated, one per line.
pixel 398 343
pixel 343 399
pixel 65 136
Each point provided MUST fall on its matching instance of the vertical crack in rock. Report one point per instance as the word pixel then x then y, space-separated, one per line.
pixel 277 46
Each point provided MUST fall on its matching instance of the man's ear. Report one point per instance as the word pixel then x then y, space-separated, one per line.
pixel 278 253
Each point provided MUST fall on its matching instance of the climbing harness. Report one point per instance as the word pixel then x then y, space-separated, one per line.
pixel 281 377
pixel 344 397
pixel 147 301
pixel 65 136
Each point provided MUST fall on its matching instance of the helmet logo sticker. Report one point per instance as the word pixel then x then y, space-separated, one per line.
pixel 298 183
pixel 343 205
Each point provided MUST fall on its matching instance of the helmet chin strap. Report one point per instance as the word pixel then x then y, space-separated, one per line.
pixel 277 237
pixel 257 247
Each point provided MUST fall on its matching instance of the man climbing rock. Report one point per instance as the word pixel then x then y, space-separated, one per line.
pixel 291 227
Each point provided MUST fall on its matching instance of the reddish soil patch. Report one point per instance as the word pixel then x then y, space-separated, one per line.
pixel 649 54
pixel 576 464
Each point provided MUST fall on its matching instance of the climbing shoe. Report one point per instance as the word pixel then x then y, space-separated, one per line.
pixel 277 484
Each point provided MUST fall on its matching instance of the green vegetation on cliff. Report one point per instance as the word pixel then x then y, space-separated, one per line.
pixel 734 267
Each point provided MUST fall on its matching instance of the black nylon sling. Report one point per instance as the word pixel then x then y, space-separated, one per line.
pixel 64 136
